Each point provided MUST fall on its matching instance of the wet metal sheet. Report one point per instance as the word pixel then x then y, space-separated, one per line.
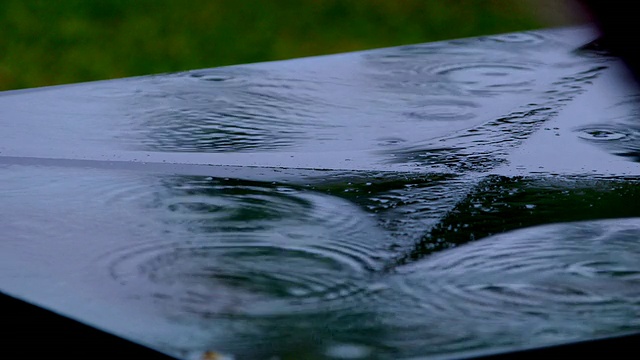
pixel 432 200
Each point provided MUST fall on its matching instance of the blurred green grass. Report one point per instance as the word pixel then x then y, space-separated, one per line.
pixel 47 42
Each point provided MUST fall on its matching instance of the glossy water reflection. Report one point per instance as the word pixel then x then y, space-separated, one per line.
pixel 459 105
pixel 529 287
pixel 434 200
pixel 263 244
pixel 239 266
pixel 214 263
pixel 500 204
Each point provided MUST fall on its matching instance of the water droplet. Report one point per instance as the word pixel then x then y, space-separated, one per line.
pixel 601 134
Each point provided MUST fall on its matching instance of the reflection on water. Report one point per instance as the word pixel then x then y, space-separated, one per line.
pixel 460 105
pixel 487 145
pixel 500 204
pixel 270 269
pixel 480 71
pixel 269 248
pixel 532 286
pixel 360 214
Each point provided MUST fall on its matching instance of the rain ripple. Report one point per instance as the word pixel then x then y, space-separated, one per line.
pixel 531 286
pixel 224 110
pixel 488 78
pixel 620 134
pixel 252 249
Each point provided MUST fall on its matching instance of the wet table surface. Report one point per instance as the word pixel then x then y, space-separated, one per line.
pixel 436 200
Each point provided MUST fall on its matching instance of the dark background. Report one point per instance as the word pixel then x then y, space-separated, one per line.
pixel 47 42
